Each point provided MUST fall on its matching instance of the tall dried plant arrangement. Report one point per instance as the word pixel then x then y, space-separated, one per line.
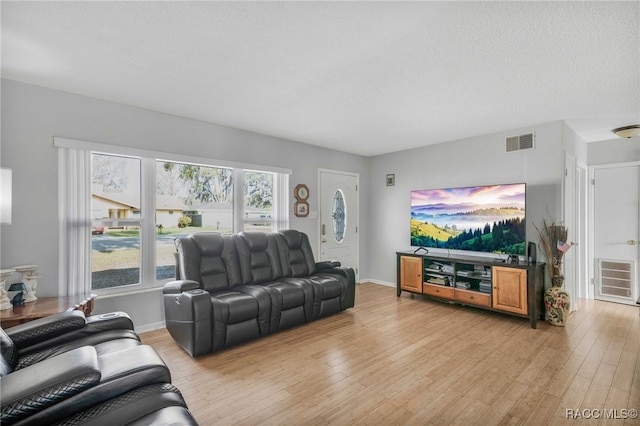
pixel 551 235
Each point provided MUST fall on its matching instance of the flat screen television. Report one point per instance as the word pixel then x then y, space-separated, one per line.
pixel 489 218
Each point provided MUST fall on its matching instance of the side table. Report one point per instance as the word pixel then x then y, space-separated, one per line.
pixel 44 307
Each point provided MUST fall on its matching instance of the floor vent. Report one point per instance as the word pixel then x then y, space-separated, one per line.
pixel 616 279
pixel 518 143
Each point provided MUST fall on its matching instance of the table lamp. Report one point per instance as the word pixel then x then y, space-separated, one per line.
pixel 18 299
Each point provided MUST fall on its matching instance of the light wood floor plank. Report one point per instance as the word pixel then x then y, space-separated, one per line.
pixel 416 361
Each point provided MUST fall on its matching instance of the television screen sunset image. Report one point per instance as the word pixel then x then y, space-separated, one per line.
pixel 487 218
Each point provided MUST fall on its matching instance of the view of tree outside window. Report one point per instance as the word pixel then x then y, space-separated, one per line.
pixel 258 201
pixel 189 198
pixel 115 201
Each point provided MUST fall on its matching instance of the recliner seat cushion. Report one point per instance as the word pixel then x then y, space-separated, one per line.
pixel 120 372
pixel 237 307
pixel 133 406
pixel 290 294
pixel 328 286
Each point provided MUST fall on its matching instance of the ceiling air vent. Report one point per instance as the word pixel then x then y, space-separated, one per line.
pixel 518 143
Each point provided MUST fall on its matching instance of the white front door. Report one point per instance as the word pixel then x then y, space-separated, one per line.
pixel 616 227
pixel 339 217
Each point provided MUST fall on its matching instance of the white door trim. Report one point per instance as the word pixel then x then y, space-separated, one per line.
pixel 591 219
pixel 569 211
pixel 574 213
pixel 319 204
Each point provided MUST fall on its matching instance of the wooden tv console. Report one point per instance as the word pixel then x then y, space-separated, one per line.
pixel 512 288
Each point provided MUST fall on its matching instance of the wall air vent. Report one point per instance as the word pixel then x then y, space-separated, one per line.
pixel 518 143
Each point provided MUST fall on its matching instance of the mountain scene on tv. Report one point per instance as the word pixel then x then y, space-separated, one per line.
pixel 479 218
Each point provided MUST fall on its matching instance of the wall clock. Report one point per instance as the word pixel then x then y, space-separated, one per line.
pixel 301 192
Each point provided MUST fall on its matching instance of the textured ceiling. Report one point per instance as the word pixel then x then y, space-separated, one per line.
pixel 361 77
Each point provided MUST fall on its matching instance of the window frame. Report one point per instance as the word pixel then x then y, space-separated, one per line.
pixel 147 219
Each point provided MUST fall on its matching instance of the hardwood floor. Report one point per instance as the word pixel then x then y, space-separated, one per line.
pixel 411 360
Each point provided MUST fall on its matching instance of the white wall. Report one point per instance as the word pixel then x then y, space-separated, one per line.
pixel 617 150
pixel 475 161
pixel 574 144
pixel 32 116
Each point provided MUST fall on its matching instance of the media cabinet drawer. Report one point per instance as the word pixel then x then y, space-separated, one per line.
pixel 472 297
pixel 437 290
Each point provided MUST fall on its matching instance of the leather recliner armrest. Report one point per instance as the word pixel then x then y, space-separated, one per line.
pixel 327 264
pixel 97 329
pixel 44 384
pixel 175 287
pixel 42 329
pixel 109 321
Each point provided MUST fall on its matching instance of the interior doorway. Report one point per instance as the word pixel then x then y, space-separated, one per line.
pixel 616 190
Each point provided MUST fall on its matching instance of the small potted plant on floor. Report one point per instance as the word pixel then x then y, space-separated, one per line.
pixel 553 240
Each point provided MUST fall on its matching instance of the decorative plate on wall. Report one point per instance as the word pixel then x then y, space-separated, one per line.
pixel 301 208
pixel 301 192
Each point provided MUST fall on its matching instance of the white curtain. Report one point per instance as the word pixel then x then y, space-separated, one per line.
pixel 281 202
pixel 74 216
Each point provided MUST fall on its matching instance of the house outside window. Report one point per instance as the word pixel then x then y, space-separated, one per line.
pixel 115 200
pixel 132 227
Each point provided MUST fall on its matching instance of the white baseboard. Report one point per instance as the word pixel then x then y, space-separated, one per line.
pixel 379 282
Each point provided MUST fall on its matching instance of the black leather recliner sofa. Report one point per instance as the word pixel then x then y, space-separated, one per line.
pixel 71 370
pixel 235 288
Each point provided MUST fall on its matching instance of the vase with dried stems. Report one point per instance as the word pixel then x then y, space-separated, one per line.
pixel 553 240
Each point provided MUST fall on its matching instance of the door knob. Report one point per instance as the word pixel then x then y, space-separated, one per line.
pixel 324 241
pixel 632 242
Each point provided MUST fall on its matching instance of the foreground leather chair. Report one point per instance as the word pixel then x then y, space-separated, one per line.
pixel 49 336
pixel 66 364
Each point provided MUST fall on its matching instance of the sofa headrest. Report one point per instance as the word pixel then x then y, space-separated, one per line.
pixel 256 240
pixel 208 243
pixel 293 238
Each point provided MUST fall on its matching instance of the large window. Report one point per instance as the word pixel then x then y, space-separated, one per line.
pixel 258 201
pixel 189 198
pixel 115 221
pixel 138 204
